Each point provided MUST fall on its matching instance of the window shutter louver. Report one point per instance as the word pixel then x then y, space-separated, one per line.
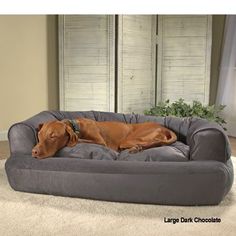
pixel 184 53
pixel 92 45
pixel 86 62
pixel 136 62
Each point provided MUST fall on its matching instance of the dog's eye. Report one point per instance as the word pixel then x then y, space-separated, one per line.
pixel 52 136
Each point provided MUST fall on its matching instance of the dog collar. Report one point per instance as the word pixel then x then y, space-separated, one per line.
pixel 75 126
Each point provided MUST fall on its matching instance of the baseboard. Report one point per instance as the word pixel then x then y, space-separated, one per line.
pixel 3 135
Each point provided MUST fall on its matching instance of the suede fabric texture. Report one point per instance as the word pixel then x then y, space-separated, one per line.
pixel 175 152
pixel 195 170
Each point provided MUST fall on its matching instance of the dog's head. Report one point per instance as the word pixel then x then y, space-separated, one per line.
pixel 53 136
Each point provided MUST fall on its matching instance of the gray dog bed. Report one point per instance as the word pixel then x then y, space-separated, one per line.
pixel 195 170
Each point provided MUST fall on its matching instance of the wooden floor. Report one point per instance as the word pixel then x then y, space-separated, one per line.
pixel 4 150
pixel 233 145
pixel 5 153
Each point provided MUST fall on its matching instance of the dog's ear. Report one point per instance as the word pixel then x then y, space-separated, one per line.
pixel 73 138
pixel 39 127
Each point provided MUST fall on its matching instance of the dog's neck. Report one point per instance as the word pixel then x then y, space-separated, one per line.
pixel 75 126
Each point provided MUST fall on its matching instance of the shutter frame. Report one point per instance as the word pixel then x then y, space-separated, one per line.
pixel 126 100
pixel 204 85
pixel 109 70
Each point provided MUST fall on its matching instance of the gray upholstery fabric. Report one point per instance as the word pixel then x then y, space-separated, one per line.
pixel 88 151
pixel 176 152
pixel 190 131
pixel 195 170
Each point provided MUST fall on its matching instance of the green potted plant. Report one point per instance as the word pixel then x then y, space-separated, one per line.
pixel 180 108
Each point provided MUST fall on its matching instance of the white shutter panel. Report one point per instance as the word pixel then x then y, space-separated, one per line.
pixel 86 62
pixel 184 52
pixel 136 63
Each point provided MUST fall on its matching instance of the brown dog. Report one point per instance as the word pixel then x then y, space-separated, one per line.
pixel 118 136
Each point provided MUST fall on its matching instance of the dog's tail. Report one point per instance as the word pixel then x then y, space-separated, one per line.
pixel 171 137
pixel 166 137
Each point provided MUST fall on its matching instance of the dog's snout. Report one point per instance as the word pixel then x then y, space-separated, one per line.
pixel 35 152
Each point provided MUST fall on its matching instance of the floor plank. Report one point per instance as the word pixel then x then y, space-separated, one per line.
pixel 233 145
pixel 4 150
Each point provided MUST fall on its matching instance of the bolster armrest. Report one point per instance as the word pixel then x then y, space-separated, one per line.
pixel 208 141
pixel 23 136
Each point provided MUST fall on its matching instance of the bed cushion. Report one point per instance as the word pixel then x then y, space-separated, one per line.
pixel 178 151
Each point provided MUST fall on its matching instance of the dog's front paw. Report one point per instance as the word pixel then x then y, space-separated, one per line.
pixel 135 149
